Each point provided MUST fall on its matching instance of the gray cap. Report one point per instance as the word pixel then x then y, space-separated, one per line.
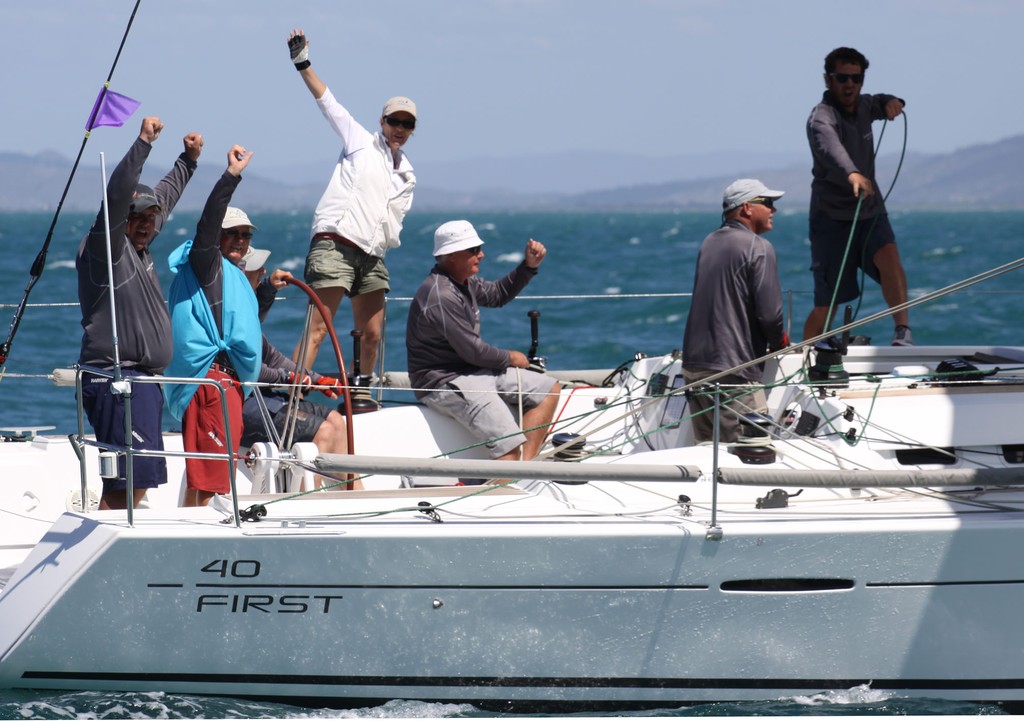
pixel 143 199
pixel 745 190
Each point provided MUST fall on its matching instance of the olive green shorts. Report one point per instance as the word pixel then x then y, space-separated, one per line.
pixel 331 264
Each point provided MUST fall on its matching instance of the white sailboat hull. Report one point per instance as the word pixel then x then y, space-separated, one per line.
pixel 552 611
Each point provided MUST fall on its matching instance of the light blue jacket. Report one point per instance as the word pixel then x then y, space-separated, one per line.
pixel 196 338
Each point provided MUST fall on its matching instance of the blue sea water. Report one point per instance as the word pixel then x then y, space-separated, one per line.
pixel 589 254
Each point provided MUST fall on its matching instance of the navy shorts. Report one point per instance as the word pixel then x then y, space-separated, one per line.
pixel 309 417
pixel 828 244
pixel 105 412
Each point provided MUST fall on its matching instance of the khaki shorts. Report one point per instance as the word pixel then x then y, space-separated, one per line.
pixel 331 264
pixel 487 404
pixel 738 397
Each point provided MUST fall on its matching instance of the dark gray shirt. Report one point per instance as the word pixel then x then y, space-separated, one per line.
pixel 736 310
pixel 442 334
pixel 143 323
pixel 276 366
pixel 842 143
pixel 205 256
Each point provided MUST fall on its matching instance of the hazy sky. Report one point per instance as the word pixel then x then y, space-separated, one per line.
pixel 504 77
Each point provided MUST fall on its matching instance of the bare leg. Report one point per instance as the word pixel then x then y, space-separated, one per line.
pixel 815 323
pixel 331 437
pixel 196 497
pixel 331 298
pixel 893 280
pixel 368 316
pixel 114 501
pixel 538 419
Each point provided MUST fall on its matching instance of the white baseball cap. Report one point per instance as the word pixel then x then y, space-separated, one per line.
pixel 233 217
pixel 745 190
pixel 455 235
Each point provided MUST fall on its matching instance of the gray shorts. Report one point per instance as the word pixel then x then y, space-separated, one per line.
pixel 487 404
pixel 330 264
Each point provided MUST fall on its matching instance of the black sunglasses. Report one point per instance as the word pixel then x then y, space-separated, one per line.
pixel 477 250
pixel 841 78
pixel 235 233
pixel 766 202
pixel 395 122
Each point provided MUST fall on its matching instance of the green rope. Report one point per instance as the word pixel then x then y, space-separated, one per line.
pixel 871 228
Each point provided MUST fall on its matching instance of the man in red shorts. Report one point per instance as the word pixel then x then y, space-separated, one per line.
pixel 216 335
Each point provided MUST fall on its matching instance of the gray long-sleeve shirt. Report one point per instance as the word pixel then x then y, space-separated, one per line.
pixel 442 334
pixel 736 310
pixel 143 323
pixel 205 256
pixel 842 143
pixel 276 366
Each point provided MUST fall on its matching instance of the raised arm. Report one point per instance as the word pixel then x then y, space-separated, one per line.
pixel 120 191
pixel 204 257
pixel 168 191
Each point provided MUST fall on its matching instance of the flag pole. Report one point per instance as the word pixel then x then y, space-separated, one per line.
pixel 119 386
pixel 39 264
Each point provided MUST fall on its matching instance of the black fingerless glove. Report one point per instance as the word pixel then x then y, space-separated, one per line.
pixel 299 50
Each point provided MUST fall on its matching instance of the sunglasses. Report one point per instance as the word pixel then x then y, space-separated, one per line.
pixel 475 251
pixel 235 233
pixel 766 202
pixel 395 122
pixel 841 78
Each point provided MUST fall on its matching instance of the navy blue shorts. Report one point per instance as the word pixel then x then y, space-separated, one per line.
pixel 828 244
pixel 105 412
pixel 309 417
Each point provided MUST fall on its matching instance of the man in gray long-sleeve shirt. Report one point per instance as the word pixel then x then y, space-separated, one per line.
pixel 736 310
pixel 839 133
pixel 453 370
pixel 137 213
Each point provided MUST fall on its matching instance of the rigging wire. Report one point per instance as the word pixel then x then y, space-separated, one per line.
pixel 39 264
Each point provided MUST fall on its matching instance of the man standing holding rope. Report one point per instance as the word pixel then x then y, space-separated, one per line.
pixel 849 226
pixel 454 371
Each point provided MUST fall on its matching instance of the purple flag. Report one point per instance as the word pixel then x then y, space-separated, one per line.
pixel 111 109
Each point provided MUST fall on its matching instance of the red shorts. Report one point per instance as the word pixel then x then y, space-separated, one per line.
pixel 202 431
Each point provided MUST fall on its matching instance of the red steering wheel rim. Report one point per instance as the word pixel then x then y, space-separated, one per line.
pixel 315 301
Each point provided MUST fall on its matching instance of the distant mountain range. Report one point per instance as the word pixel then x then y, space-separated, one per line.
pixel 981 177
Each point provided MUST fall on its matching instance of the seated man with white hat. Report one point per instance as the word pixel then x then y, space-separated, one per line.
pixel 453 370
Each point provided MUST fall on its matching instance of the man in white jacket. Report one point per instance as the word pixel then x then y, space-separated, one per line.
pixel 360 214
